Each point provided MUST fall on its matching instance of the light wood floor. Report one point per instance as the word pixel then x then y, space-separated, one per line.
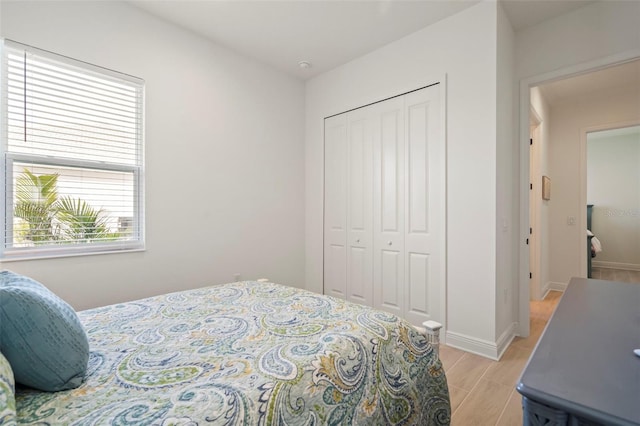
pixel 621 275
pixel 483 391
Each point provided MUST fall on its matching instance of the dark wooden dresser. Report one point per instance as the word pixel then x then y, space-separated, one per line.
pixel 583 370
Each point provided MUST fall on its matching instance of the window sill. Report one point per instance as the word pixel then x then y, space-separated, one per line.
pixel 16 257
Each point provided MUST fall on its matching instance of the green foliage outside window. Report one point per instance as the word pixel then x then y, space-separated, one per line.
pixel 47 218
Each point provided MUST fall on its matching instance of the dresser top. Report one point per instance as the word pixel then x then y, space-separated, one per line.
pixel 584 362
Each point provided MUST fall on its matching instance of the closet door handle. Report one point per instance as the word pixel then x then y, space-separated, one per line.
pixel 390 243
pixel 358 240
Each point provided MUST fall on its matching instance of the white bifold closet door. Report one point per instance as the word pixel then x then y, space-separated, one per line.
pixel 385 206
pixel 335 206
pixel 348 249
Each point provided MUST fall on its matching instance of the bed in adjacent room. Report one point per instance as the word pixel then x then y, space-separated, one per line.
pixel 247 353
pixel 594 246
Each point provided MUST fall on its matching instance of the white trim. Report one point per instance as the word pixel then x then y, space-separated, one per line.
pixel 525 85
pixel 444 210
pixel 506 338
pixel 555 286
pixel 615 265
pixel 480 347
pixel 535 238
pixel 59 254
pixel 69 162
pixel 544 296
pixel 544 290
pixel 4 138
pixel 523 286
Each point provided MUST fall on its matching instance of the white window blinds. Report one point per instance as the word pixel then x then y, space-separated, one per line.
pixel 72 145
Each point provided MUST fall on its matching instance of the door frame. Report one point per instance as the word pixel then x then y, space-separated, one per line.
pixel 526 84
pixel 535 287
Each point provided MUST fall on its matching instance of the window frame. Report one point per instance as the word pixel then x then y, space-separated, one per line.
pixel 7 159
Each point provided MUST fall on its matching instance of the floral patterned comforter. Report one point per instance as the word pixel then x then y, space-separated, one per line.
pixel 248 353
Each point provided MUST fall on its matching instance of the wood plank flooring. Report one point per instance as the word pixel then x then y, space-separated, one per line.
pixel 483 391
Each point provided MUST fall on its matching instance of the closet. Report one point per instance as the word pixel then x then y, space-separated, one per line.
pixel 384 216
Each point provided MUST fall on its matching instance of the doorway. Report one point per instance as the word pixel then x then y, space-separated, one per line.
pixel 602 94
pixel 613 191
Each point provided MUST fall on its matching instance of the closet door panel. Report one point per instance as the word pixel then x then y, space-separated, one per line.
pixel 359 205
pixel 390 276
pixel 424 164
pixel 335 270
pixel 335 206
pixel 359 176
pixel 359 290
pixel 388 206
pixel 418 284
pixel 391 146
pixel 417 169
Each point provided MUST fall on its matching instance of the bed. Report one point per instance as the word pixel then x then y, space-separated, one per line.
pixel 249 353
pixel 594 246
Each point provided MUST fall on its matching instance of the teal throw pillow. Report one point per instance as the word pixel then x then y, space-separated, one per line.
pixel 40 335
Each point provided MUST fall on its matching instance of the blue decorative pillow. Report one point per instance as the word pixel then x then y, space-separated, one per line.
pixel 7 393
pixel 40 335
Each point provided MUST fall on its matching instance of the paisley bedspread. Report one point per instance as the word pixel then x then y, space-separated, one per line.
pixel 248 353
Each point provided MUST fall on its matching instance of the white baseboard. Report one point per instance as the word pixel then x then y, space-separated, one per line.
pixel 505 339
pixel 555 286
pixel 480 347
pixel 615 265
pixel 545 289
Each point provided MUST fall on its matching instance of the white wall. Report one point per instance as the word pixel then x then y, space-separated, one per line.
pixel 590 33
pixel 506 184
pixel 224 155
pixel 613 187
pixel 463 47
pixel 569 122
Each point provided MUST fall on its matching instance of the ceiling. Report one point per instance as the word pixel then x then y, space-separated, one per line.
pixel 325 33
pixel 626 75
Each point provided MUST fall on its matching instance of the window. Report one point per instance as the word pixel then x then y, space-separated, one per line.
pixel 72 156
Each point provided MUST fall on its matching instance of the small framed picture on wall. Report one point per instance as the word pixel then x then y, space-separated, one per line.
pixel 546 188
